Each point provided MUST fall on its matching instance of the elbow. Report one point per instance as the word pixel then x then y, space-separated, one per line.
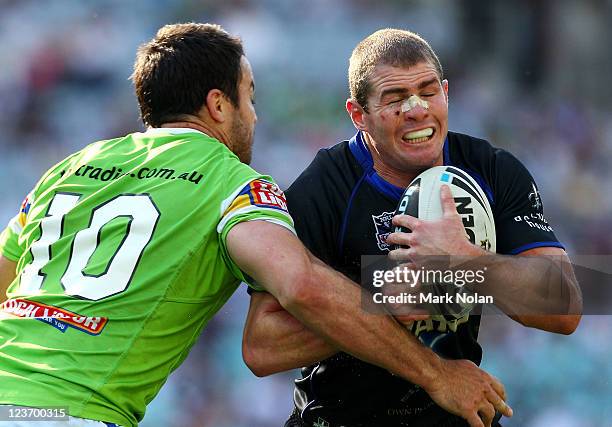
pixel 255 360
pixel 564 324
pixel 568 324
pixel 301 294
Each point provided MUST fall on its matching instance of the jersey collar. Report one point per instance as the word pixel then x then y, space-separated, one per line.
pixel 171 131
pixel 363 156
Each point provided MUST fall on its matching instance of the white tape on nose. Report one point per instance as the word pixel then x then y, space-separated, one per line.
pixel 412 102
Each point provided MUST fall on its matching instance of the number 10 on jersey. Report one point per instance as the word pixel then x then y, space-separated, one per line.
pixel 142 215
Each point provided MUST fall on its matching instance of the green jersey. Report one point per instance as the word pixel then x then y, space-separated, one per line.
pixel 121 261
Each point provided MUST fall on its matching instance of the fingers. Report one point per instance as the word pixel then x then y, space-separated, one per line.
pixel 401 239
pixel 448 203
pixel 407 265
pixel 498 396
pixel 401 254
pixel 487 413
pixel 501 406
pixel 474 420
pixel 406 221
pixel 498 387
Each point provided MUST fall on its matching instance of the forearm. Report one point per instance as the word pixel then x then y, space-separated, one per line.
pixel 539 290
pixel 338 314
pixel 277 342
pixel 328 303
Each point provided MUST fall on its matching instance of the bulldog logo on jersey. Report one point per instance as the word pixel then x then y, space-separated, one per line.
pixel 383 226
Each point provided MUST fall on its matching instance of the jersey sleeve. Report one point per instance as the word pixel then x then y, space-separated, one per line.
pixel 257 198
pixel 519 214
pixel 10 245
pixel 316 208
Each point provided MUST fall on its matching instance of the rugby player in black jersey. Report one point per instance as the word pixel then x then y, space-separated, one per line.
pixel 343 206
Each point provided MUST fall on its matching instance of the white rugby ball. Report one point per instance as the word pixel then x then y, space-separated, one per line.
pixel 421 199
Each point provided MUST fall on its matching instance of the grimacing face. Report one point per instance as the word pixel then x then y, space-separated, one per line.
pixel 242 127
pixel 393 133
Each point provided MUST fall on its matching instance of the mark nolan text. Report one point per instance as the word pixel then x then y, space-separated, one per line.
pixel 430 298
pixel 459 298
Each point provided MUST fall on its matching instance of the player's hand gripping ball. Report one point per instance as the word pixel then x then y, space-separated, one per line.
pixel 421 199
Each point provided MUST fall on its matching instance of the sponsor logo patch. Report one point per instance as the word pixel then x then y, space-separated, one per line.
pixel 57 317
pixel 534 220
pixel 25 209
pixel 260 193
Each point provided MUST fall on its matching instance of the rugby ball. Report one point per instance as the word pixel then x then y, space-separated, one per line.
pixel 421 199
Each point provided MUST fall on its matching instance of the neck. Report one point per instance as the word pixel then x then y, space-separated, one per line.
pixel 198 124
pixel 397 177
pixel 187 125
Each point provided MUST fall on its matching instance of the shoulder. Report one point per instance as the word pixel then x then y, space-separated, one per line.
pixel 496 170
pixel 479 153
pixel 323 189
pixel 333 168
pixel 333 160
pixel 462 148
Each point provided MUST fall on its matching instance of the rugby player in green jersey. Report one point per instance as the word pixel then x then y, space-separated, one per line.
pixel 123 252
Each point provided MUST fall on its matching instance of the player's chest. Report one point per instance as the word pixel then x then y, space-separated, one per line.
pixel 366 225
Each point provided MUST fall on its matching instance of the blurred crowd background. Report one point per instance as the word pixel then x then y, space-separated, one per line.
pixel 529 75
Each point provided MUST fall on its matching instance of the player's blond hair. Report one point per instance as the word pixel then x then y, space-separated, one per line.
pixel 389 46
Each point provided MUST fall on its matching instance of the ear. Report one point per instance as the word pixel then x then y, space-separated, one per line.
pixel 217 105
pixel 356 113
pixel 445 88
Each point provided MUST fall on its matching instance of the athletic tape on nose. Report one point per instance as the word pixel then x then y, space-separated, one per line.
pixel 412 102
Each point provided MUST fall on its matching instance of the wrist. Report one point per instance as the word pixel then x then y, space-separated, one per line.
pixel 429 375
pixel 473 250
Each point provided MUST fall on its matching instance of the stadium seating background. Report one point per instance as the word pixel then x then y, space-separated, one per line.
pixel 532 76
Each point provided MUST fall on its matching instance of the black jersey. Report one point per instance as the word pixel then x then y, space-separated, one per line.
pixel 342 210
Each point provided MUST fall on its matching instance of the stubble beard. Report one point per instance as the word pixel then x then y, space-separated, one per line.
pixel 242 141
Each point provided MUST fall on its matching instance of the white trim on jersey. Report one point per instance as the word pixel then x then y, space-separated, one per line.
pixel 227 202
pixel 14 225
pixel 248 209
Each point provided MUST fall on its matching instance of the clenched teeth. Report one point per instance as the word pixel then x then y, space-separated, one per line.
pixel 418 135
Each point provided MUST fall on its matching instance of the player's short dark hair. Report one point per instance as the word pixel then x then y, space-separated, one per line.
pixel 174 72
pixel 398 48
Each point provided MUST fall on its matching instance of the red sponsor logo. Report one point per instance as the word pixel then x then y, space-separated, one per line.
pixel 35 310
pixel 268 194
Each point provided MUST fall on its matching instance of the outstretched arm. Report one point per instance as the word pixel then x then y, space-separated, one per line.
pixel 275 341
pixel 326 301
pixel 331 306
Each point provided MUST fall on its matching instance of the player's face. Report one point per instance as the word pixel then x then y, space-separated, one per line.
pixel 392 131
pixel 243 121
